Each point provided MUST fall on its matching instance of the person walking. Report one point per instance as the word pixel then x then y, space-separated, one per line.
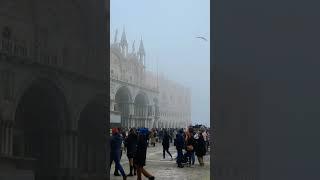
pixel 148 138
pixel 179 143
pixel 160 135
pixel 166 144
pixel 200 148
pixel 205 137
pixel 174 134
pixel 141 153
pixel 193 157
pixel 131 145
pixel 123 137
pixel 170 135
pixel 115 145
pixel 190 145
pixel 153 138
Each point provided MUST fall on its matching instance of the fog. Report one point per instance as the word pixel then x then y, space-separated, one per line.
pixel 169 29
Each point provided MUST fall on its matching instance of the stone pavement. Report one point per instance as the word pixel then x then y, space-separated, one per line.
pixel 167 169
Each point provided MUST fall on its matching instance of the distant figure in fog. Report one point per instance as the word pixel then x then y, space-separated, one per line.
pixel 205 137
pixel 148 137
pixel 166 144
pixel 171 135
pixel 153 138
pixel 141 153
pixel 160 135
pixel 115 145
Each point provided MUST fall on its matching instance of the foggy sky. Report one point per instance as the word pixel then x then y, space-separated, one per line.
pixel 168 29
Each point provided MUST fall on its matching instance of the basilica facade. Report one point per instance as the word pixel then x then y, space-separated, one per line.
pixel 141 98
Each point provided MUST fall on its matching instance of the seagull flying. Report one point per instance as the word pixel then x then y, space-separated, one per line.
pixel 203 38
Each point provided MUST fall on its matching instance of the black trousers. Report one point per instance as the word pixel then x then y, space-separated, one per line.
pixel 164 152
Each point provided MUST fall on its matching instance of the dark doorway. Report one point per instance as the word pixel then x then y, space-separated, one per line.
pixel 123 99
pixel 92 140
pixel 39 119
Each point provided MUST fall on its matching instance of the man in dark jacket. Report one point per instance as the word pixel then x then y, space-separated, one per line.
pixel 179 143
pixel 115 146
pixel 141 153
pixel 131 145
pixel 166 144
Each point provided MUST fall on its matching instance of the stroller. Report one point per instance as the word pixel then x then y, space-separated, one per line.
pixel 186 159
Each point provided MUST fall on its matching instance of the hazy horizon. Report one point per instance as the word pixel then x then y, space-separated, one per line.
pixel 169 30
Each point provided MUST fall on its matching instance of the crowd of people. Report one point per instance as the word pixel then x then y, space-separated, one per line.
pixel 189 142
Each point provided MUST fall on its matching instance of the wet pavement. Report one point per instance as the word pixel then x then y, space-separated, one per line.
pixel 167 169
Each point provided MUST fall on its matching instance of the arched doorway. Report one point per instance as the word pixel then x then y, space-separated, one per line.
pixel 92 140
pixel 122 100
pixel 141 110
pixel 40 117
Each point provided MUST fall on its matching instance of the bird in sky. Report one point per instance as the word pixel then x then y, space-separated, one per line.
pixel 203 38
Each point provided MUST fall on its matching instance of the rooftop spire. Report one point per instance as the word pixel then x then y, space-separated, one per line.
pixel 141 53
pixel 141 48
pixel 116 36
pixel 123 40
pixel 133 48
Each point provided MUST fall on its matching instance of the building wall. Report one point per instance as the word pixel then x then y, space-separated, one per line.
pixel 56 43
pixel 172 99
pixel 175 103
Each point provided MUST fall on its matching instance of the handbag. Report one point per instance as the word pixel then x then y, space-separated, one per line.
pixel 190 148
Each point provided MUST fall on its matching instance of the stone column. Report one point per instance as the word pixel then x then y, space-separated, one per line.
pixel 131 108
pixel 6 128
pixel 6 137
pixel 112 104
pixel 68 160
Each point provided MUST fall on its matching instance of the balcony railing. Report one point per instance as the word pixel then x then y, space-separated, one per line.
pixel 72 60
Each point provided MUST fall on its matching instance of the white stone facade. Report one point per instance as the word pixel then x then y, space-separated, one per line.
pixel 138 93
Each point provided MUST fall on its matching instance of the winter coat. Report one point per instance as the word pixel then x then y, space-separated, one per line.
pixel 200 146
pixel 141 153
pixel 165 141
pixel 131 143
pixel 191 142
pixel 115 144
pixel 179 142
pixel 152 137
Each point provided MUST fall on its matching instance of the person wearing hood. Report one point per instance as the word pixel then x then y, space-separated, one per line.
pixel 179 143
pixel 115 146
